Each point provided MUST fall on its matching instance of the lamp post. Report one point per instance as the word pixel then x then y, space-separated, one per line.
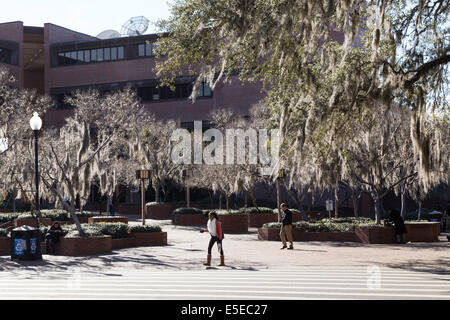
pixel 36 125
pixel 143 175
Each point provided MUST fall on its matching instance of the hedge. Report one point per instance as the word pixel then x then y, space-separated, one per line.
pixel 329 225
pixel 188 211
pixel 116 230
pixel 256 210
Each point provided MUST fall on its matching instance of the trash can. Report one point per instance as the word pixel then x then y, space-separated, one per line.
pixel 26 244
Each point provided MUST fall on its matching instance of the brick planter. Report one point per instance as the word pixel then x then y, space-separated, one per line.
pixel 160 211
pixel 189 220
pixel 123 243
pixel 256 220
pixel 83 246
pixel 149 239
pixel 31 222
pixel 423 231
pixel 5 246
pixel 234 223
pixel 273 234
pixel 130 209
pixel 376 235
pixel 108 219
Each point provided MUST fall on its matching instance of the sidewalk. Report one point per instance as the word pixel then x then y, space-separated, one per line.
pixel 187 247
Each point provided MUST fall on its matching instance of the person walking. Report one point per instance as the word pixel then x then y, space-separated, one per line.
pixel 214 227
pixel 286 227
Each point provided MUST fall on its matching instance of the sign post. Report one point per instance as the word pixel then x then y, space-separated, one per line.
pixel 329 204
pixel 143 175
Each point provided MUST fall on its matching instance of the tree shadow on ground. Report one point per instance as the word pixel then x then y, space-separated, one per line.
pixel 438 267
pixel 437 246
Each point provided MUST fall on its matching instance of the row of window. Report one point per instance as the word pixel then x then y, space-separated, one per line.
pixel 103 54
pixel 5 56
pixel 182 91
pixel 146 94
pixel 90 56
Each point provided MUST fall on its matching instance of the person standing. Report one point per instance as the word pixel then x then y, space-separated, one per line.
pixel 214 227
pixel 286 227
pixel 52 237
pixel 399 225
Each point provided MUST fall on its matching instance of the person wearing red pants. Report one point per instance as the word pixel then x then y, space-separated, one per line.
pixel 215 230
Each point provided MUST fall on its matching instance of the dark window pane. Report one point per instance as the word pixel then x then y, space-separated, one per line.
pixel 80 56
pixel 114 53
pixel 87 56
pixel 120 53
pixel 148 49
pixel 94 55
pixel 100 54
pixel 206 90
pixel 145 93
pixel 61 58
pixel 107 54
pixel 141 50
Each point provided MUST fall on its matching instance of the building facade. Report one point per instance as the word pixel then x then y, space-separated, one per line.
pixel 57 61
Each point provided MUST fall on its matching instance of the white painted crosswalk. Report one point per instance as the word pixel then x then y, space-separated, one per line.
pixel 360 282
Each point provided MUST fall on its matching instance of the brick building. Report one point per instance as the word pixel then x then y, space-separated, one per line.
pixel 56 61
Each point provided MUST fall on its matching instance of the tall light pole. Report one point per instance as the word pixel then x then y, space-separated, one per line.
pixel 143 175
pixel 281 174
pixel 36 125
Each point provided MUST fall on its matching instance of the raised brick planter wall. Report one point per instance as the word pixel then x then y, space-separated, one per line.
pixel 189 220
pixel 31 222
pixel 130 210
pixel 376 235
pixel 82 246
pixel 108 219
pixel 273 234
pixel 256 220
pixel 5 246
pixel 422 231
pixel 234 223
pixel 149 239
pixel 122 243
pixel 160 211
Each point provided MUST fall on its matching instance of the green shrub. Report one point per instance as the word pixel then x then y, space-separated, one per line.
pixel 276 225
pixel 3 233
pixel 90 230
pixel 329 225
pixel 257 210
pixel 116 230
pixel 146 228
pixel 153 204
pixel 291 210
pixel 188 211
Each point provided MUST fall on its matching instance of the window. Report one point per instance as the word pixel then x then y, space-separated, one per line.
pixel 120 53
pixel 100 54
pixel 204 90
pixel 87 56
pixel 80 56
pixel 5 56
pixel 107 54
pixel 146 49
pixel 94 55
pixel 114 53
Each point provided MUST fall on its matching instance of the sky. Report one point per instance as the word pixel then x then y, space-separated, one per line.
pixel 86 16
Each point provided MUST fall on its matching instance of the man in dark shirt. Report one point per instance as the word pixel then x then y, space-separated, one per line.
pixel 286 228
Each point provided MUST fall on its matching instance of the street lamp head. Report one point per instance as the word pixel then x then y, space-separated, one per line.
pixel 36 122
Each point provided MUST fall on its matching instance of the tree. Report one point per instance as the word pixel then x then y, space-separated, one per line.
pixel 391 53
pixel 83 148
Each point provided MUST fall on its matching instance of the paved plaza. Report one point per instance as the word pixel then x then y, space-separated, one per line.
pixel 255 269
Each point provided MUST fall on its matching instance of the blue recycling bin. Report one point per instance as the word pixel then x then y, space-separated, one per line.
pixel 26 244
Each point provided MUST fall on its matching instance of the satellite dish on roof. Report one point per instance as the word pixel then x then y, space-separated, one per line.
pixel 108 34
pixel 135 26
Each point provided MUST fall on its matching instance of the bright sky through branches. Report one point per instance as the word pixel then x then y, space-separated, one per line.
pixel 86 16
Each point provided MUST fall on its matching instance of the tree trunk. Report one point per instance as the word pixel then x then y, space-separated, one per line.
pixel 420 210
pixel 220 201
pixel 157 193
pixel 252 196
pixel 402 198
pixel 377 210
pixel 245 199
pixel 298 203
pixel 355 206
pixel 228 202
